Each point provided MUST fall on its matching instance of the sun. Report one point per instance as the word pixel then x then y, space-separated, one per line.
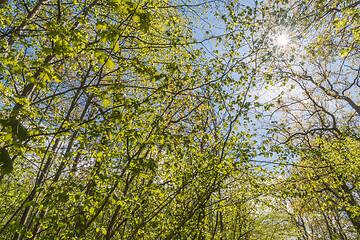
pixel 282 40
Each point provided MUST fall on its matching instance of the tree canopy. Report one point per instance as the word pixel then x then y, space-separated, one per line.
pixel 152 119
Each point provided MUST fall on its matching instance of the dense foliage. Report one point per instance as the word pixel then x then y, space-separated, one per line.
pixel 179 120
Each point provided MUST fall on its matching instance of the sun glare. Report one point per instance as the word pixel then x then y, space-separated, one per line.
pixel 282 40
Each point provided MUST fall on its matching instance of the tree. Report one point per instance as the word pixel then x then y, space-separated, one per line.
pixel 326 189
pixel 316 115
pixel 115 125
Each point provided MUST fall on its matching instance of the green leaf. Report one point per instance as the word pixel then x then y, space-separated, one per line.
pixel 344 52
pixel 18 130
pixel 144 20
pixel 6 162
